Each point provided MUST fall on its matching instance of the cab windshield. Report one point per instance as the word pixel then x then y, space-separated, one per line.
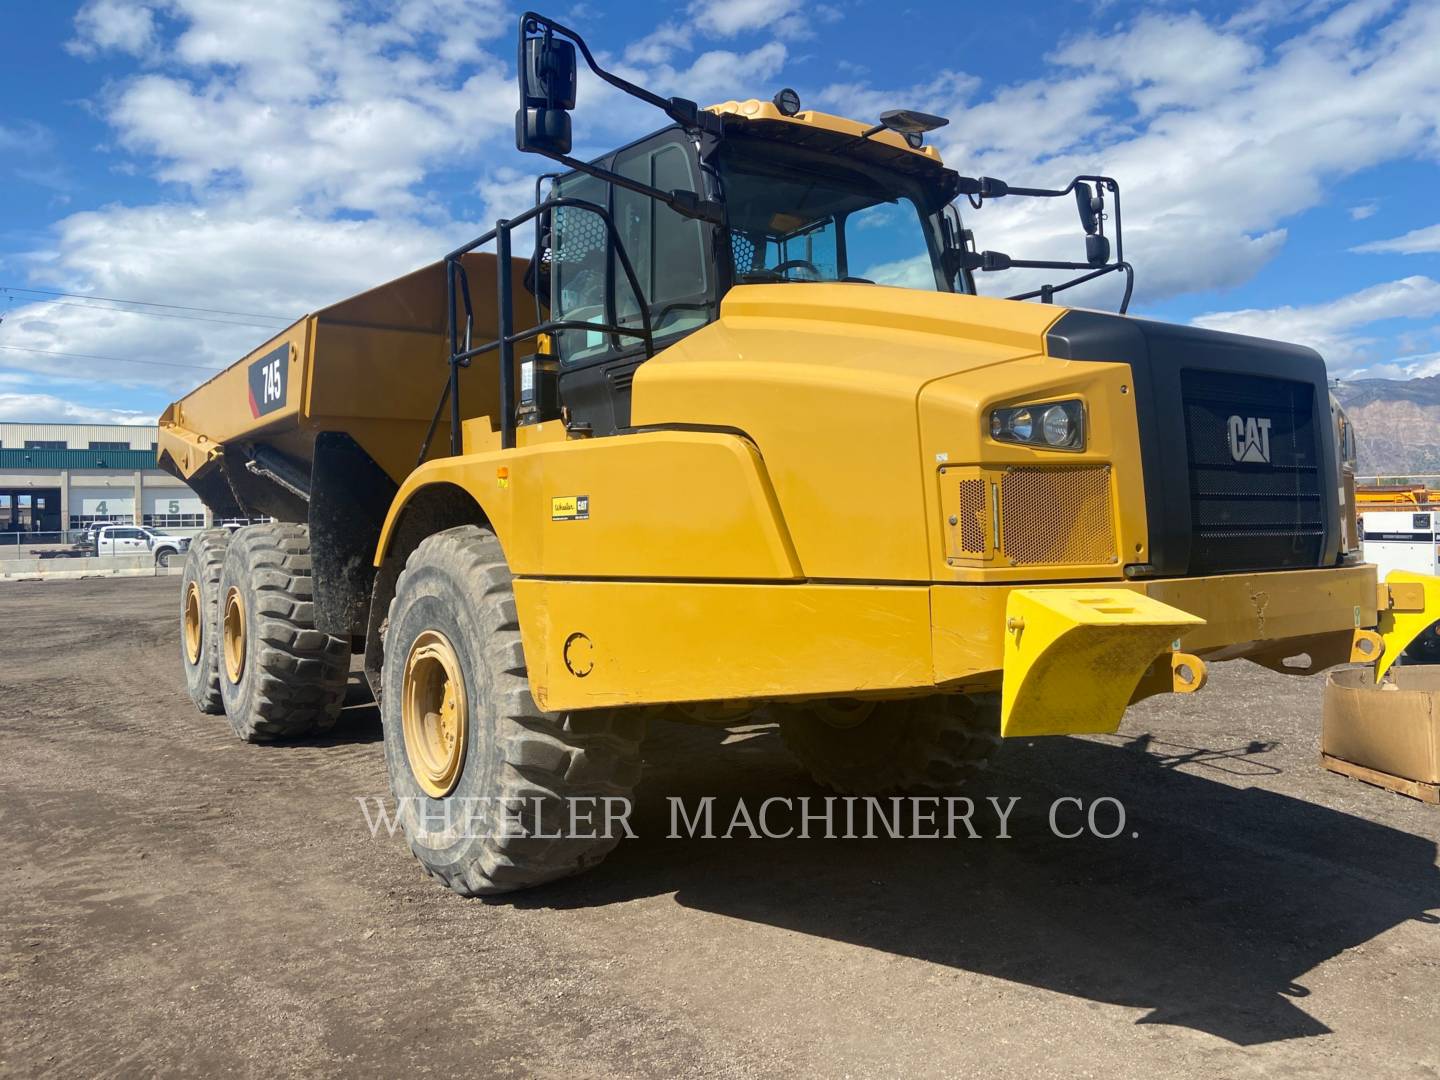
pixel 797 219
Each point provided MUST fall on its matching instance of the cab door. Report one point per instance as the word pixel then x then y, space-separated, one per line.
pixel 674 266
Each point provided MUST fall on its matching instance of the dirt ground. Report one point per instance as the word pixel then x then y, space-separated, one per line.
pixel 172 901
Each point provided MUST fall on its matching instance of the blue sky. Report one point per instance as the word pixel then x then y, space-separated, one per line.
pixel 1278 159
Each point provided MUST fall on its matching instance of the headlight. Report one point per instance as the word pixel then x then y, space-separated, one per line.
pixel 1061 425
pixel 1056 426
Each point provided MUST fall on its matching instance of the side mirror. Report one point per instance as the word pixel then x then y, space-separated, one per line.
pixel 1097 249
pixel 547 93
pixel 1085 203
pixel 542 131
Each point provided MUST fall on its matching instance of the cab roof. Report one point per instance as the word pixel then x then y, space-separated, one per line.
pixel 824 132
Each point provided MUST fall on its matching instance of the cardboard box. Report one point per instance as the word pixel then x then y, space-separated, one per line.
pixel 1392 728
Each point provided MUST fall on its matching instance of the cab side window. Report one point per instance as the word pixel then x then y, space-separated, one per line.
pixel 670 254
pixel 579 250
pixel 668 251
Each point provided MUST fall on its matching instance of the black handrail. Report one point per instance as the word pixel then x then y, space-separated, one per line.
pixel 508 338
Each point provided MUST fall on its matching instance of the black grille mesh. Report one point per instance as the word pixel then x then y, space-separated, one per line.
pixel 1252 514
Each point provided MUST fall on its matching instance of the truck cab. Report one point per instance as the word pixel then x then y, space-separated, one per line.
pixel 822 209
pixel 139 540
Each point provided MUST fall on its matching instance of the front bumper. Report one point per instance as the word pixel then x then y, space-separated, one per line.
pixel 1074 657
pixel 655 642
pixel 1241 613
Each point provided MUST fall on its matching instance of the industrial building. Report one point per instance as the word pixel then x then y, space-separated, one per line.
pixel 55 477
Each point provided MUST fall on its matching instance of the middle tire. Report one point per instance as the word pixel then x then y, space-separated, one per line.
pixel 921 746
pixel 280 677
pixel 466 744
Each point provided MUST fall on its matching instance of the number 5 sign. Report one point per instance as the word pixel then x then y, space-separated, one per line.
pixel 269 381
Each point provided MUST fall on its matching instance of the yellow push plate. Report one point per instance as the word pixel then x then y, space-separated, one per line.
pixel 1400 627
pixel 1073 657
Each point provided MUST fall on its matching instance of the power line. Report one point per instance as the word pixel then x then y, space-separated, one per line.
pixel 148 303
pixel 148 314
pixel 112 359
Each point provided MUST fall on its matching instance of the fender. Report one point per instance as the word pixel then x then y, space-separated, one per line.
pixel 653 505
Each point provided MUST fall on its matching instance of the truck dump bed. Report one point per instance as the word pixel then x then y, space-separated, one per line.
pixel 372 368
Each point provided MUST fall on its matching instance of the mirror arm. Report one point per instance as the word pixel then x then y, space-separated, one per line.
pixel 1047 291
pixel 682 110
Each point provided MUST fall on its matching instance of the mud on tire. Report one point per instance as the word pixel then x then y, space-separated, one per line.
pixel 291 676
pixel 199 641
pixel 924 746
pixel 457 584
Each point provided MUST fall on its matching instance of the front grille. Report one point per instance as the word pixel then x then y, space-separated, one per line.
pixel 1051 517
pixel 1249 513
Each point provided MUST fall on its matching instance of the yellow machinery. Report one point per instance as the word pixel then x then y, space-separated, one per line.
pixel 1394 497
pixel 704 446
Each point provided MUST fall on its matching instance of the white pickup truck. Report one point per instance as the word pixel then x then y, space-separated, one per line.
pixel 137 540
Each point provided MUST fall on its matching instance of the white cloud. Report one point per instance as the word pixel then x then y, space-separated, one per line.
pixel 292 104
pixel 1215 144
pixel 660 45
pixel 1414 242
pixel 1404 367
pixel 786 18
pixel 214 258
pixel 1363 211
pixel 118 25
pixel 864 102
pixel 26 138
pixel 1168 61
pixel 48 407
pixel 1331 327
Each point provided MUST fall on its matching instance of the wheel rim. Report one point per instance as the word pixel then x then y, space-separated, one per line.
pixel 434 714
pixel 194 624
pixel 234 637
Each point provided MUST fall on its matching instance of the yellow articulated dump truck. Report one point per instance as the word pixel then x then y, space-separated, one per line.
pixel 731 430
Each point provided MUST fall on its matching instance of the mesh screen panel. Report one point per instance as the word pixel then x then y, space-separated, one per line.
pixel 1057 516
pixel 974 524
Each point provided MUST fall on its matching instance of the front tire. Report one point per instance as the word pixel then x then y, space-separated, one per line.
pixel 925 746
pixel 465 741
pixel 280 677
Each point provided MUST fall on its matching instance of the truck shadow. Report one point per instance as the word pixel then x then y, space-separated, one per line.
pixel 359 720
pixel 1207 909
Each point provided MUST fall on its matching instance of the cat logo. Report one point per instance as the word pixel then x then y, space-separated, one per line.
pixel 1250 438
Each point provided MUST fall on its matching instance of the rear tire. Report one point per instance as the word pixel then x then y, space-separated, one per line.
pixel 454 619
pixel 926 746
pixel 199 604
pixel 280 677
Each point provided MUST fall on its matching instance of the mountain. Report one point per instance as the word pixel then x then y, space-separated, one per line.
pixel 1397 424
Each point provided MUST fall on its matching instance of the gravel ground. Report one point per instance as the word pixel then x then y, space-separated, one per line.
pixel 172 901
